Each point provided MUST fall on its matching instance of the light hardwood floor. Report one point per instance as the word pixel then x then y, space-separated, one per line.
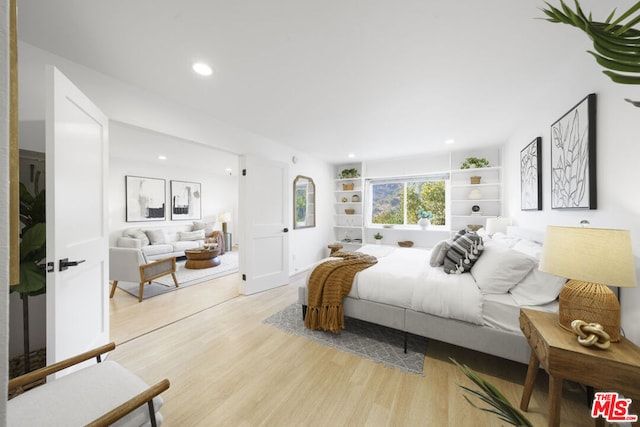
pixel 227 368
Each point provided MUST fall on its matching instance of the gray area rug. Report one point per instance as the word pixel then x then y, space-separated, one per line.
pixel 370 341
pixel 186 277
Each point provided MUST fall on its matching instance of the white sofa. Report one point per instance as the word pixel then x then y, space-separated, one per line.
pixel 164 242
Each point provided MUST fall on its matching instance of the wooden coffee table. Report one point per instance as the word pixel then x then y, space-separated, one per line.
pixel 202 258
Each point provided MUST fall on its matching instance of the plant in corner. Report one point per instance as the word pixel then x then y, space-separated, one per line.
pixel 474 162
pixel 32 253
pixel 616 44
pixel 489 394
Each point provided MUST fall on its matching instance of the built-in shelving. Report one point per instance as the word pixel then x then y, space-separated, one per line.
pixel 348 227
pixel 466 194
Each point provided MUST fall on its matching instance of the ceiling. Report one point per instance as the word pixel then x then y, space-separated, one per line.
pixel 376 78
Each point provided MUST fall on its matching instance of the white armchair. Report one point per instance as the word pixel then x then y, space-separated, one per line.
pixel 101 394
pixel 129 265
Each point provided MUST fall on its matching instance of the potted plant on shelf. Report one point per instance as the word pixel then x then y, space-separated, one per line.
pixel 349 173
pixel 425 218
pixel 378 238
pixel 474 162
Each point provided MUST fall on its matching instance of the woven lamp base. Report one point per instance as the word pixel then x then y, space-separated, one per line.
pixel 591 302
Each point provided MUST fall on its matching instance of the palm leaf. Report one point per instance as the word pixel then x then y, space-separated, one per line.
pixel 617 43
pixel 489 394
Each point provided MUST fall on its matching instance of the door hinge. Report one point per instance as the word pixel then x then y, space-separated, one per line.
pixel 244 172
pixel 244 277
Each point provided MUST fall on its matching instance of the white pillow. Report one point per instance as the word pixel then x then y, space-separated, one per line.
pixel 136 233
pixel 499 269
pixel 439 252
pixel 208 227
pixel 528 247
pixel 156 237
pixel 504 239
pixel 537 288
pixel 192 235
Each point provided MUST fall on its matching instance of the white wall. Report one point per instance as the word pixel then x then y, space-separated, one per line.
pixel 618 173
pixel 129 106
pixel 192 162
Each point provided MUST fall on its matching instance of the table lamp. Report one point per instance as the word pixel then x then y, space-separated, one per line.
pixel 224 218
pixel 497 224
pixel 592 259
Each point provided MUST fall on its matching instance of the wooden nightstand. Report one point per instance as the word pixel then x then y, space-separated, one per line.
pixel 558 352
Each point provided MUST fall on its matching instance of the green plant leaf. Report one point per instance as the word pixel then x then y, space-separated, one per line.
pixel 32 241
pixel 623 79
pixel 32 279
pixel 617 43
pixel 499 405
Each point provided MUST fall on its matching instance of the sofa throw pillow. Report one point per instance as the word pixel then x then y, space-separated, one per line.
pixel 500 269
pixel 136 233
pixel 439 252
pixel 465 250
pixel 156 237
pixel 208 227
pixel 192 235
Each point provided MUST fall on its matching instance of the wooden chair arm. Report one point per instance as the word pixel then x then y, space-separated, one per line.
pixel 158 268
pixel 131 405
pixel 41 373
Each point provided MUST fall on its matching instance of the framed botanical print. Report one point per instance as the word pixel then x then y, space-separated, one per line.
pixel 530 179
pixel 146 199
pixel 573 157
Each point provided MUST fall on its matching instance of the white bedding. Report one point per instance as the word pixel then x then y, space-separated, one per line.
pixel 501 311
pixel 402 277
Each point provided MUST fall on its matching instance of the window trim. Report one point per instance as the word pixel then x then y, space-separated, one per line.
pixel 368 196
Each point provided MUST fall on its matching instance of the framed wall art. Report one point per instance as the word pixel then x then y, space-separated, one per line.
pixel 573 157
pixel 185 200
pixel 530 179
pixel 146 199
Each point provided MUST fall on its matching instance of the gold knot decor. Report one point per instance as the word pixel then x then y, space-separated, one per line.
pixel 591 334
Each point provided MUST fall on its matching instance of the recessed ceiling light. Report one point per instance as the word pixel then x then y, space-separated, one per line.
pixel 450 141
pixel 161 157
pixel 202 68
pixel 351 155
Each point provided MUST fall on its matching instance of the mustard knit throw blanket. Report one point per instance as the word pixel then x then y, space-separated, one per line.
pixel 328 284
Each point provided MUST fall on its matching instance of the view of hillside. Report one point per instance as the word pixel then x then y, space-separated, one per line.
pixel 422 196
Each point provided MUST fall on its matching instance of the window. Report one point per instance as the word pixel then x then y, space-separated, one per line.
pixel 402 201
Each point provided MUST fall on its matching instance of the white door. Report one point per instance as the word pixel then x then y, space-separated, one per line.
pixel 76 192
pixel 264 247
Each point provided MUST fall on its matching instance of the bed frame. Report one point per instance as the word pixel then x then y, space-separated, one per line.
pixel 475 337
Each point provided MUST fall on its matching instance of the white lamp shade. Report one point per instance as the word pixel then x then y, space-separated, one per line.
pixel 595 255
pixel 499 224
pixel 224 217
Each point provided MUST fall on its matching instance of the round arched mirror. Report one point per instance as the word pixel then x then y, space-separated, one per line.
pixel 304 202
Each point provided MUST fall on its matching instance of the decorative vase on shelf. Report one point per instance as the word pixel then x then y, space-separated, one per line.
pixel 424 223
pixel 475 194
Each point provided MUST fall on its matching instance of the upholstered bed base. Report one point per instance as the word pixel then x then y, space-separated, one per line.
pixel 475 337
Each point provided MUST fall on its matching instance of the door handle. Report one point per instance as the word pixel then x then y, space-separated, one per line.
pixel 65 263
pixel 286 230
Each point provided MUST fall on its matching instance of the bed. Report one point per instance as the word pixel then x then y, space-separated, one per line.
pixel 478 309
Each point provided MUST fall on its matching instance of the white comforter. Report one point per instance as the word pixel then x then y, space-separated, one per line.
pixel 404 278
